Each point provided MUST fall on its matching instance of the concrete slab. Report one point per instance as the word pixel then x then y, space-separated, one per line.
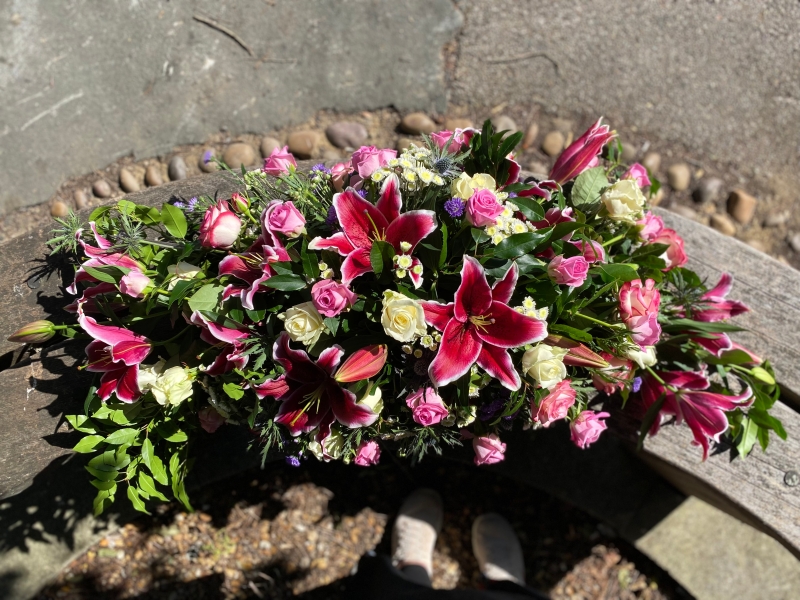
pixel 83 83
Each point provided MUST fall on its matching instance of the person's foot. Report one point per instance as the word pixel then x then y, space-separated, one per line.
pixel 418 523
pixel 497 549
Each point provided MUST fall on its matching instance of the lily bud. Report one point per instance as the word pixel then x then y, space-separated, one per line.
pixel 37 332
pixel 239 203
pixel 362 364
pixel 578 355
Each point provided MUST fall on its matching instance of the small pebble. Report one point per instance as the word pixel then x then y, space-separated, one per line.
pixel 679 176
pixel 208 166
pixel 59 209
pixel 101 189
pixel 152 176
pixel 346 134
pixel 268 144
pixel 723 224
pixel 417 123
pixel 794 241
pixel 405 142
pixel 127 181
pixel 709 190
pixel 628 152
pixel 177 168
pixel 303 144
pixel 684 211
pixel 777 218
pixel 530 135
pixel 453 123
pixel 553 143
pixel 656 199
pixel 504 123
pixel 81 199
pixel 539 169
pixel 742 206
pixel 652 161
pixel 239 154
pixel 757 245
pixel 331 154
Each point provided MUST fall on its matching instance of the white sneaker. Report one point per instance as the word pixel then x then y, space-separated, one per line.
pixel 497 549
pixel 418 523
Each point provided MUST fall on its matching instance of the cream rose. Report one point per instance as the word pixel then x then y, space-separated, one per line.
pixel 303 323
pixel 624 201
pixel 465 186
pixel 373 400
pixel 402 318
pixel 173 386
pixel 182 271
pixel 545 364
pixel 643 358
pixel 330 448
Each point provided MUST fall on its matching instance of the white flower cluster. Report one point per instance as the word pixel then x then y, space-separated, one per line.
pixel 507 224
pixel 529 309
pixel 414 169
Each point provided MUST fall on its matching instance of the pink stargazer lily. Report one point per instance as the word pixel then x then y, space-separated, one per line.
pixel 480 327
pixel 582 153
pixel 309 393
pixel 100 256
pixel 687 398
pixel 116 352
pixel 364 223
pixel 715 307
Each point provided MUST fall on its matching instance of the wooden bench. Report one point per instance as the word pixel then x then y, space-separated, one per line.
pixel 614 485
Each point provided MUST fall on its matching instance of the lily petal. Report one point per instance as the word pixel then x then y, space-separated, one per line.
pixel 474 296
pixel 362 364
pixel 390 201
pixel 510 329
pixel 338 241
pixel 503 289
pixel 412 227
pixel 359 219
pixel 330 358
pixel 297 415
pixel 356 264
pixel 457 352
pixel 436 314
pixel 275 388
pixel 298 365
pixel 497 363
pixel 347 412
pixel 128 385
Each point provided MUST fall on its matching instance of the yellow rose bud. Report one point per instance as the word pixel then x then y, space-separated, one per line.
pixel 303 323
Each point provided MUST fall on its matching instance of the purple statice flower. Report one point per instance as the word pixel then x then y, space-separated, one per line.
pixel 332 220
pixel 190 206
pixel 321 169
pixel 180 205
pixel 207 156
pixel 488 411
pixel 363 193
pixel 454 207
pixel 512 195
pixel 292 461
pixel 637 384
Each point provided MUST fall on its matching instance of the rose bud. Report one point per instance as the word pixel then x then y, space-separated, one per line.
pixel 220 226
pixel 37 332
pixel 239 203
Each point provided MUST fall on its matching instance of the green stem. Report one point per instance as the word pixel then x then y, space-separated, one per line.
pixel 250 216
pixel 613 240
pixel 598 321
pixel 169 245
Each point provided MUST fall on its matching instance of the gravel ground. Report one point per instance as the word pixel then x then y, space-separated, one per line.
pixel 298 532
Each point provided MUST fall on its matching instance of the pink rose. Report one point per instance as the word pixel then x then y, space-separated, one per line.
pixel 639 173
pixel 568 271
pixel 592 251
pixel 555 405
pixel 368 159
pixel 488 449
pixel 638 307
pixel 675 256
pixel 283 217
pixel 210 419
pixel 587 427
pixel 340 172
pixel 651 226
pixel 134 283
pixel 460 138
pixel 368 453
pixel 427 407
pixel 330 298
pixel 220 226
pixel 483 208
pixel 278 162
pixel 613 377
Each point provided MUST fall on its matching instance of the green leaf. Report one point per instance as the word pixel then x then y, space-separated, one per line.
pixel 122 436
pixel 174 220
pixel 681 325
pixel 149 215
pixel 285 283
pixel 126 206
pixel 748 437
pixel 88 444
pixel 233 390
pixel 99 212
pixel 103 475
pixel 148 486
pixel 158 470
pixel 81 423
pixel 649 418
pixel 332 323
pixel 221 319
pixel 529 207
pixel 102 500
pixel 180 290
pixel 206 298
pixel 587 188
pixel 767 421
pixel 147 453
pixel 443 252
pixel 575 334
pixel 521 243
pixel 136 500
pixel 170 432
pixel 107 461
pixel 108 485
pixel 310 262
pixel 380 257
pixel 108 273
pixel 615 272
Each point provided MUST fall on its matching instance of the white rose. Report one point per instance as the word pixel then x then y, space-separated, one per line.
pixel 173 386
pixel 303 323
pixel 373 400
pixel 624 201
pixel 330 448
pixel 643 358
pixel 545 364
pixel 402 318
pixel 148 375
pixel 483 181
pixel 462 187
pixel 182 271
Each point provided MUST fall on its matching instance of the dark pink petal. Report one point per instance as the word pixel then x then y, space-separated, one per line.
pixel 720 401
pixel 344 407
pixel 108 383
pixel 720 291
pixel 246 267
pixel 497 363
pixel 513 172
pixel 411 227
pixel 274 388
pixel 705 422
pixel 330 358
pixel 298 365
pixel 249 293
pixel 356 264
pixel 436 314
pixel 458 351
pixel 100 359
pixel 223 363
pixel 101 242
pixel 717 344
pixel 416 278
pixel 338 241
pixel 128 385
pixel 390 201
pixel 690 380
pixel 509 329
pixel 109 334
pixel 359 219
pixel 473 296
pixel 131 352
pixel 503 289
pixel 719 311
pixel 297 414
